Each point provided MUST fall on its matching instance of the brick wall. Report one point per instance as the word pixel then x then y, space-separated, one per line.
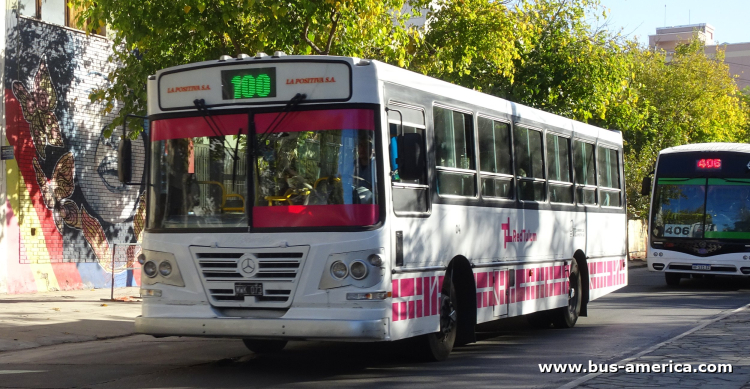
pixel 68 211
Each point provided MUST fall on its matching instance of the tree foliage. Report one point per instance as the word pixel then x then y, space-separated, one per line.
pixel 546 54
pixel 150 35
pixel 685 97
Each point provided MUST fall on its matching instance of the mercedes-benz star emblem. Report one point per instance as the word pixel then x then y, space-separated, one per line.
pixel 248 266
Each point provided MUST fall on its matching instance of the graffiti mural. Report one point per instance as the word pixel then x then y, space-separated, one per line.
pixel 68 216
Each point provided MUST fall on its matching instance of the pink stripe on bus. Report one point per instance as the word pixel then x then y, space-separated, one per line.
pixel 407 287
pixel 481 280
pixel 196 127
pixel 315 215
pixel 330 119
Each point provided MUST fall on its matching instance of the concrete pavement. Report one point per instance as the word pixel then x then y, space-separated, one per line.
pixel 49 318
pixel 724 340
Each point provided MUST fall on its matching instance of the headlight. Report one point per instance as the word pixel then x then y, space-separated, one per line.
pixel 150 269
pixel 375 260
pixel 339 270
pixel 358 270
pixel 165 268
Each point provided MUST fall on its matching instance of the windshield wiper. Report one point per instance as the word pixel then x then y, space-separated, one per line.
pixel 280 117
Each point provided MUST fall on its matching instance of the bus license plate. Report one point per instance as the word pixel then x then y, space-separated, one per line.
pixel 249 289
pixel 697 266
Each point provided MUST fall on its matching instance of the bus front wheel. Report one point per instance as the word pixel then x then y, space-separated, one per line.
pixel 438 345
pixel 673 279
pixel 264 346
pixel 566 317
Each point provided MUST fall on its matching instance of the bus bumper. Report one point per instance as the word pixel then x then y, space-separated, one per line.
pixel 312 329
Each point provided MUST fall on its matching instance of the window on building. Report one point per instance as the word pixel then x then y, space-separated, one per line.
pixel 55 12
pixel 495 158
pixel 609 177
pixel 558 169
pixel 456 174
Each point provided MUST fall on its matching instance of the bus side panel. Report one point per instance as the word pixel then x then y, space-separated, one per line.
pixel 537 287
pixel 607 253
pixel 415 305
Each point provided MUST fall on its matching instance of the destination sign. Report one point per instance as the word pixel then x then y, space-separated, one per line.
pixel 253 83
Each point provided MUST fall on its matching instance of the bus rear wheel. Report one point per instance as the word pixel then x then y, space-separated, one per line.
pixel 673 279
pixel 264 346
pixel 438 345
pixel 566 317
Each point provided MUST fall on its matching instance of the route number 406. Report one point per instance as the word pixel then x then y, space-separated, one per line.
pixel 677 230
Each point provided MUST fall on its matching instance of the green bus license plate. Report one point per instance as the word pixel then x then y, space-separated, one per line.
pixel 697 266
pixel 249 289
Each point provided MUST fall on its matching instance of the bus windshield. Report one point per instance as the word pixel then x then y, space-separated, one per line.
pixel 702 208
pixel 312 169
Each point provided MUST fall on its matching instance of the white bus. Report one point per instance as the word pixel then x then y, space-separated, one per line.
pixel 700 211
pixel 334 198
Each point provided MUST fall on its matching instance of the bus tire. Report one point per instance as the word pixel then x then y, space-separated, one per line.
pixel 438 345
pixel 566 317
pixel 673 279
pixel 264 346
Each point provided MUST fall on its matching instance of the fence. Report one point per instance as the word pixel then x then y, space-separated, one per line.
pixel 124 258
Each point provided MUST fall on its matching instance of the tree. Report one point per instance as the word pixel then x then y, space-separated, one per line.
pixel 150 35
pixel 686 97
pixel 544 54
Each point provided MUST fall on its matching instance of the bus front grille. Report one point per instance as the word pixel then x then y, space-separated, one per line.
pixel 276 269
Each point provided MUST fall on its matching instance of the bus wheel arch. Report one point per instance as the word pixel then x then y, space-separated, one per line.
pixel 583 268
pixel 466 292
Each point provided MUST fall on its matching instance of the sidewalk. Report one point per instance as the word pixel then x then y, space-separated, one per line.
pixel 44 319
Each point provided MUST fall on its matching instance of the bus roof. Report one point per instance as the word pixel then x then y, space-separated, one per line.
pixel 411 79
pixel 364 91
pixel 707 147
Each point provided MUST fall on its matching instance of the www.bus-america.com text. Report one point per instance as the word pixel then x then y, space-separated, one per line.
pixel 670 367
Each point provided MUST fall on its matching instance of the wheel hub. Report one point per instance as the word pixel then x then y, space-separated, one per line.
pixel 448 315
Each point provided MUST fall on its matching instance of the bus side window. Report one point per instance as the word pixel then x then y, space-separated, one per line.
pixel 609 177
pixel 495 159
pixel 529 164
pixel 583 161
pixel 454 144
pixel 409 196
pixel 558 169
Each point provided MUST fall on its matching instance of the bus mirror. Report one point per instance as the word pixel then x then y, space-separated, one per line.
pixel 410 156
pixel 124 160
pixel 646 186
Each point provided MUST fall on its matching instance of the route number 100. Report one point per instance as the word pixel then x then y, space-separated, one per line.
pixel 248 86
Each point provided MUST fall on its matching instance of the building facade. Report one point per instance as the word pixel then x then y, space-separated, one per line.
pixel 67 222
pixel 736 55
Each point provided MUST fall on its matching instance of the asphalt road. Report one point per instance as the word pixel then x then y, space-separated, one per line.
pixel 645 313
